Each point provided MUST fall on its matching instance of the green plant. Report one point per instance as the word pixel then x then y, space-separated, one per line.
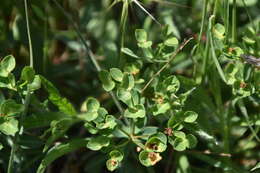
pixel 184 107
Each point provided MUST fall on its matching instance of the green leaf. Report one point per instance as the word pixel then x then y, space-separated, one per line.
pixel 145 46
pixel 240 3
pixel 123 95
pixel 133 68
pixel 98 142
pixel 62 103
pixel 107 82
pixel 36 83
pixel 90 108
pixel 60 150
pixel 242 89
pixel 140 35
pixel 175 119
pixel 115 158
pixel 8 82
pixel 149 130
pixel 149 158
pixel 156 143
pixel 137 111
pixel 219 31
pixel 192 141
pixel 116 74
pixel 9 126
pixel 102 112
pixel 116 155
pixel 28 74
pixel 171 84
pixel 257 166
pixel 248 40
pixel 161 108
pixel 128 82
pixel 89 116
pixel 184 166
pixel 129 53
pixel 92 104
pixel 230 72
pixel 10 107
pixel 1 146
pixel 110 123
pixel 7 65
pixel 190 117
pixel 58 129
pixel 179 144
pixel 179 134
pixel 91 129
pixel 172 42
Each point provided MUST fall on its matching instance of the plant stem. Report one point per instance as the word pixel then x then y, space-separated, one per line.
pixel 27 98
pixel 123 20
pixel 165 65
pixel 226 18
pixel 203 20
pixel 28 33
pixel 245 114
pixel 234 22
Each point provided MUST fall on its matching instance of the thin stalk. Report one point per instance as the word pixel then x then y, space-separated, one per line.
pixel 203 21
pixel 234 22
pixel 90 55
pixel 123 20
pixel 215 8
pixel 226 18
pixel 165 65
pixel 28 33
pixel 245 114
pixel 27 98
pixel 132 127
pixel 205 56
pixel 150 15
pixel 202 28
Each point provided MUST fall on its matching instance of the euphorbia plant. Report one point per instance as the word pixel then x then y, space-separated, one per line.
pixel 143 101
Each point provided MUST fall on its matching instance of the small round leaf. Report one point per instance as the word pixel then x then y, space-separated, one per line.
pixel 192 141
pixel 116 74
pixel 97 143
pixel 28 74
pixel 107 82
pixel 190 117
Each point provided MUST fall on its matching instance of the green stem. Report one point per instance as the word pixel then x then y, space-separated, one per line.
pixel 123 20
pixel 245 114
pixel 203 20
pixel 27 98
pixel 132 127
pixel 226 18
pixel 28 33
pixel 185 42
pixel 234 22
pixel 11 158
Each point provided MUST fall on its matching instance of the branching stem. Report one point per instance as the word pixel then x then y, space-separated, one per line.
pixel 165 65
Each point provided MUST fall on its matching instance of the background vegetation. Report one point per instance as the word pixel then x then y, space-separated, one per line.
pixel 210 75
